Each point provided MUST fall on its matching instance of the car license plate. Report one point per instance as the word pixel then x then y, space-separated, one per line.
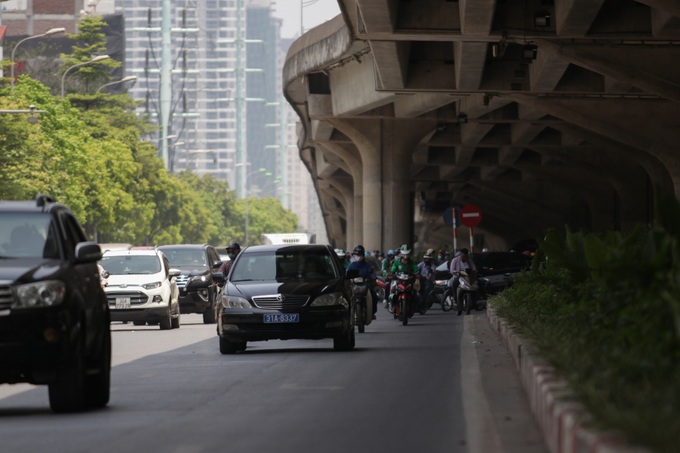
pixel 122 302
pixel 281 318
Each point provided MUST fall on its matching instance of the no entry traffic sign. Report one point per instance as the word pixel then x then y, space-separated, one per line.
pixel 470 215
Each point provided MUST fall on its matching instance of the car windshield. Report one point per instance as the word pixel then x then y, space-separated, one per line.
pixel 278 266
pixel 131 264
pixel 27 235
pixel 185 257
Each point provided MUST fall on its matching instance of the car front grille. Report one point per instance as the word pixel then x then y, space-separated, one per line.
pixel 280 301
pixel 136 297
pixel 5 298
pixel 182 281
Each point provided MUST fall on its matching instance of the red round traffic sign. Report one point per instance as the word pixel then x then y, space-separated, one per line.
pixel 470 215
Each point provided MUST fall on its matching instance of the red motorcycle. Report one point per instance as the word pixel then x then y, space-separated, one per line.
pixel 404 307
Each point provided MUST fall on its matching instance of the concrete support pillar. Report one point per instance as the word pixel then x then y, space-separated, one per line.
pixel 350 162
pixel 365 135
pixel 400 139
pixel 385 151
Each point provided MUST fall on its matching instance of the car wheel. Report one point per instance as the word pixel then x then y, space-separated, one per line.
pixel 166 322
pixel 67 391
pixel 175 322
pixel 228 347
pixel 345 342
pixel 97 386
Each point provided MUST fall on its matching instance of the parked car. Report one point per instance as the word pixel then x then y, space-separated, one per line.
pixel 499 268
pixel 197 288
pixel 142 287
pixel 54 318
pixel 286 292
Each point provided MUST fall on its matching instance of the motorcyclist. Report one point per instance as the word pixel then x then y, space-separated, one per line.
pixel 386 264
pixel 233 250
pixel 366 271
pixel 461 262
pixel 404 264
pixel 441 256
pixel 344 258
pixel 426 270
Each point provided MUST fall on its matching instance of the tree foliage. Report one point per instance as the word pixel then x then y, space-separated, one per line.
pixel 90 41
pixel 89 153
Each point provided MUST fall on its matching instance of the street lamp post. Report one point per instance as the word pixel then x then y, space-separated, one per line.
pixel 51 31
pixel 260 170
pixel 123 80
pixel 96 59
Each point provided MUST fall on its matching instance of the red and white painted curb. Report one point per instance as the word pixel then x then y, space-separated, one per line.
pixel 562 421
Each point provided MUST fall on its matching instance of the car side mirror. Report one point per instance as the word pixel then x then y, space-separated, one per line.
pixel 87 252
pixel 172 272
pixel 219 278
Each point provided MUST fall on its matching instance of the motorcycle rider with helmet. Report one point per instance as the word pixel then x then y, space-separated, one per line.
pixel 366 271
pixel 404 264
pixel 426 271
pixel 386 263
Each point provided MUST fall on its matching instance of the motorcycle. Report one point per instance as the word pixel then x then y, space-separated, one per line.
pixel 380 285
pixel 440 294
pixel 403 306
pixel 363 312
pixel 469 292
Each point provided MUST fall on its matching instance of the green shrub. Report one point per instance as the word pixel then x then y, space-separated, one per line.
pixel 604 309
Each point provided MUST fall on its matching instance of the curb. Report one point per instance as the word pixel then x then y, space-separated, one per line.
pixel 561 420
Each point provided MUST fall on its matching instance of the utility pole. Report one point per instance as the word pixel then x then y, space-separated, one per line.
pixel 240 98
pixel 166 82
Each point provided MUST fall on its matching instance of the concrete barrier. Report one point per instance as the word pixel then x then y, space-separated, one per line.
pixel 563 422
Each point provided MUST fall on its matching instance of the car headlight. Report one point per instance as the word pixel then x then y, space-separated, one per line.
pixel 326 300
pixel 152 285
pixel 39 294
pixel 235 302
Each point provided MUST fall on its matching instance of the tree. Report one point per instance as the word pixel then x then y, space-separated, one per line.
pixel 90 42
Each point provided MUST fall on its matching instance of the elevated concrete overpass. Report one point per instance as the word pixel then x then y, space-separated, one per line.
pixel 543 113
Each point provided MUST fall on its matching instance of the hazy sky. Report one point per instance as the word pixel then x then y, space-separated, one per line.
pixel 314 12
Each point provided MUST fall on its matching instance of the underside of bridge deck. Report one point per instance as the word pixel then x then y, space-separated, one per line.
pixel 543 113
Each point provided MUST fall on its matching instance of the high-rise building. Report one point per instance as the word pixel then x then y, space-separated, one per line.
pixel 202 129
pixel 263 100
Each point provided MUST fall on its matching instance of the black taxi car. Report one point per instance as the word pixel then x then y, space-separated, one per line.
pixel 285 292
pixel 54 317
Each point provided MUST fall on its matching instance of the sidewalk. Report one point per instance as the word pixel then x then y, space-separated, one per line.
pixel 562 421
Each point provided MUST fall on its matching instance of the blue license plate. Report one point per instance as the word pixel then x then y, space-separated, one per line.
pixel 281 318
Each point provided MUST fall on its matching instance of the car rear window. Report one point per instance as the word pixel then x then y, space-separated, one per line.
pixel 131 264
pixel 185 256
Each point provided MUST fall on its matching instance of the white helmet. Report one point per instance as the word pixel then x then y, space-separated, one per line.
pixel 404 250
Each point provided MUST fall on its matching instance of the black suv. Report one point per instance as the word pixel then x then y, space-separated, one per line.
pixel 54 317
pixel 197 288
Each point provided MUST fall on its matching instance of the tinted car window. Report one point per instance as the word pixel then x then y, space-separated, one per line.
pixel 272 266
pixel 185 256
pixel 25 235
